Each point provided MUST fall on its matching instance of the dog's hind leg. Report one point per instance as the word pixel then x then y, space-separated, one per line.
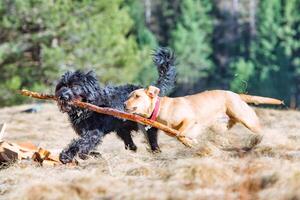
pixel 240 111
pixel 125 134
pixel 82 146
pixel 231 123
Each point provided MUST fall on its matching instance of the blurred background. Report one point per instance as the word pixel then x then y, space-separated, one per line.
pixel 248 46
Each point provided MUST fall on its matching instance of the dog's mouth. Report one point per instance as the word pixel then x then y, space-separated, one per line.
pixel 131 110
pixel 67 106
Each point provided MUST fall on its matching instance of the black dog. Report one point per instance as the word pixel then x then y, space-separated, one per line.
pixel 91 126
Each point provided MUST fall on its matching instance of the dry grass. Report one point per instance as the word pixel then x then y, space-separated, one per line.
pixel 270 171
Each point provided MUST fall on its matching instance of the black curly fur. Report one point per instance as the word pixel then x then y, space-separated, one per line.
pixel 91 126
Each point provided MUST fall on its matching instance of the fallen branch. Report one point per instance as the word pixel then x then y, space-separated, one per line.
pixel 109 111
pixel 26 151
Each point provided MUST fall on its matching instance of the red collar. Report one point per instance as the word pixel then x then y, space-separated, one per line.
pixel 155 112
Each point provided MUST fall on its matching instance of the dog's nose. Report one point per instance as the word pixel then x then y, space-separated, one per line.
pixel 64 96
pixel 134 108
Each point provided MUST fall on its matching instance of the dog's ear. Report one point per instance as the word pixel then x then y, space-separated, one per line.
pixel 91 73
pixel 90 77
pixel 152 91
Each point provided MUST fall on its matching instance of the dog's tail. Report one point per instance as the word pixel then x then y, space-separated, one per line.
pixel 164 59
pixel 260 100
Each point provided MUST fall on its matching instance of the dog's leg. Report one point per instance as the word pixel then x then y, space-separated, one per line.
pixel 186 132
pixel 151 136
pixel 231 123
pixel 240 111
pixel 125 134
pixel 244 114
pixel 82 146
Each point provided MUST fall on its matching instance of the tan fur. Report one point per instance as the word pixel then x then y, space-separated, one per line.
pixel 260 100
pixel 191 114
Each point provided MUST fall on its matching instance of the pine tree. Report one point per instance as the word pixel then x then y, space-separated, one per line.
pixel 144 36
pixel 42 39
pixel 191 40
pixel 290 45
pixel 146 42
pixel 264 46
pixel 231 41
pixel 165 16
pixel 275 48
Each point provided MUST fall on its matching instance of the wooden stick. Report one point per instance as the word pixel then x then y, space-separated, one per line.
pixel 109 111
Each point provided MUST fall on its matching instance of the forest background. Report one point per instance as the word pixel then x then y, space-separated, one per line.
pixel 247 46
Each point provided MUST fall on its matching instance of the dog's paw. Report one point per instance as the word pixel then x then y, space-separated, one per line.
pixel 252 141
pixel 131 147
pixel 92 154
pixel 83 156
pixel 155 150
pixel 95 154
pixel 65 157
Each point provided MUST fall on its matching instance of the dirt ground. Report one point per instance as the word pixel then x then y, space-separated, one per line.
pixel 270 171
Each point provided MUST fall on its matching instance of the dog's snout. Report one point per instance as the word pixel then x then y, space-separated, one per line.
pixel 65 96
pixel 130 110
pixel 129 107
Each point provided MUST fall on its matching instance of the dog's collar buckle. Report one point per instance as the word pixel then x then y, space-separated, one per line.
pixel 155 112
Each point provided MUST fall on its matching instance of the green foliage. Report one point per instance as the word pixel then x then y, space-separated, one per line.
pixel 276 47
pixel 191 40
pixel 167 14
pixel 243 71
pixel 241 45
pixel 267 38
pixel 42 39
pixel 146 42
pixel 290 45
pixel 143 34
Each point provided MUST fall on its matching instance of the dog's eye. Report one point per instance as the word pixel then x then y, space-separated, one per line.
pixel 137 96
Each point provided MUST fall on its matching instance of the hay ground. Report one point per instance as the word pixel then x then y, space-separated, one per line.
pixel 270 171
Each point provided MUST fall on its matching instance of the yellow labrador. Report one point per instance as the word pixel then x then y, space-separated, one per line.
pixel 192 114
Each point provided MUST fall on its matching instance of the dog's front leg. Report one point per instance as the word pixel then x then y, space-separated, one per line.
pixel 186 132
pixel 125 134
pixel 67 155
pixel 82 146
pixel 151 135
